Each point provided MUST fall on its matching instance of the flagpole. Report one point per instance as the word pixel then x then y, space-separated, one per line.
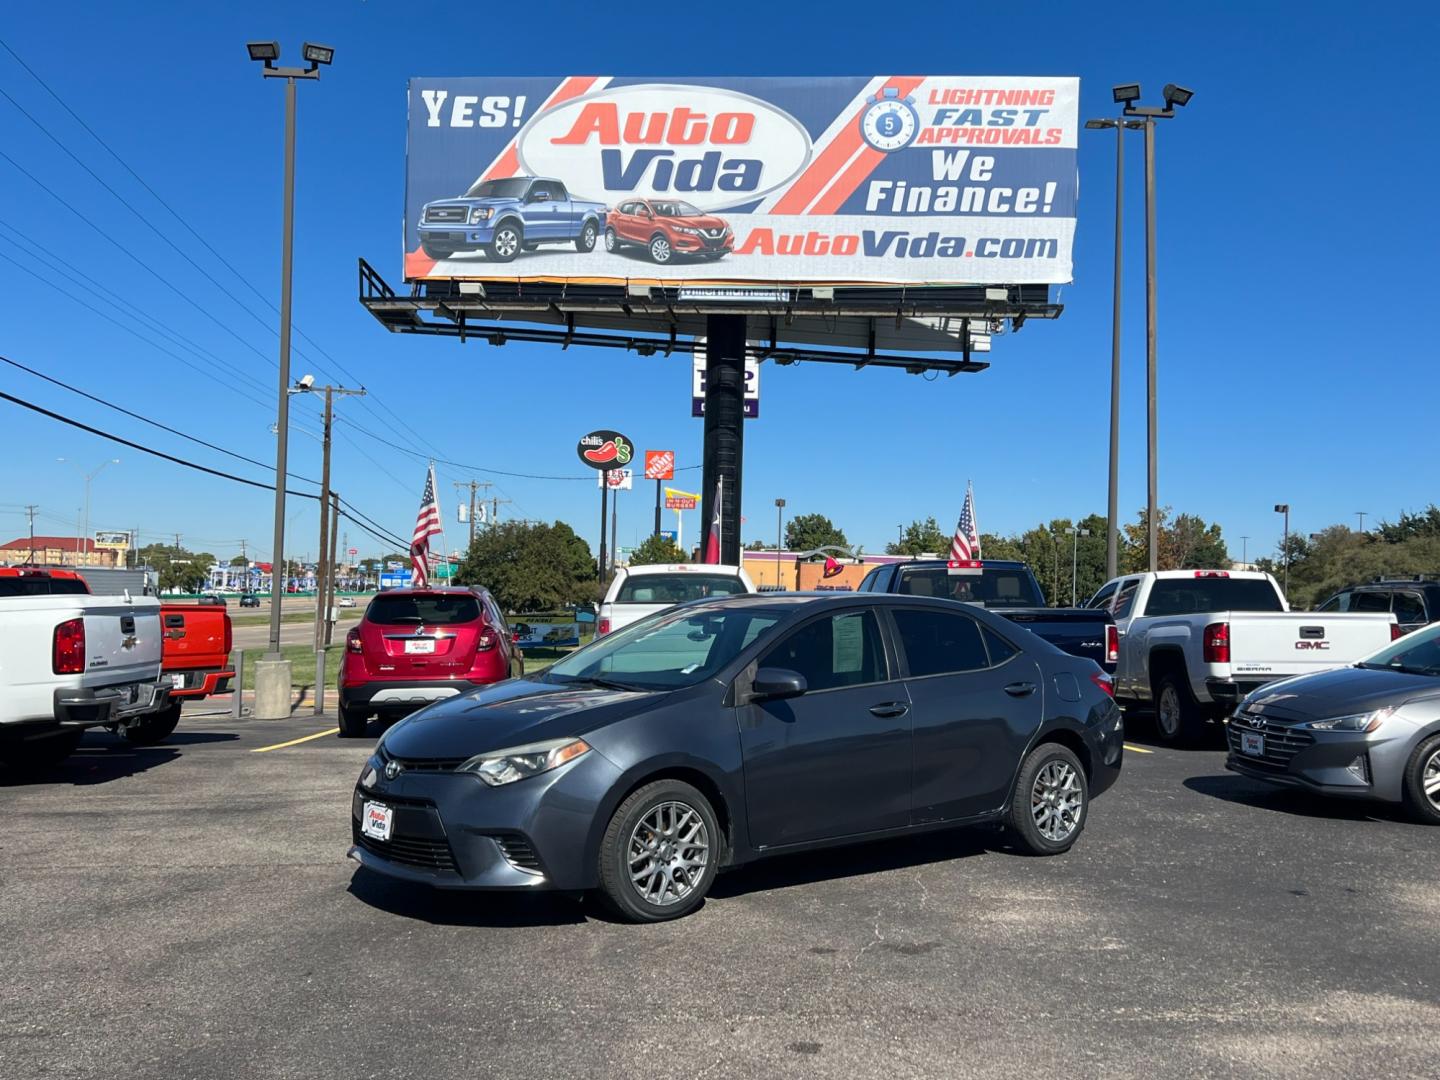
pixel 444 544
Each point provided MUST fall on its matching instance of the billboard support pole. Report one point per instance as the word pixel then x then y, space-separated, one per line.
pixel 724 449
pixel 604 513
pixel 657 509
pixel 614 527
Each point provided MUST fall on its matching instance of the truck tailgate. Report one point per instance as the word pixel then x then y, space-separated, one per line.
pixel 122 641
pixel 1298 642
pixel 1077 631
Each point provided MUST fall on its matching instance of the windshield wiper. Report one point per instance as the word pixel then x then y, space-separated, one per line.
pixel 604 684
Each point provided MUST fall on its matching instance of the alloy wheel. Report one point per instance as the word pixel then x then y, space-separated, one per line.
pixel 668 852
pixel 1430 778
pixel 660 249
pixel 611 243
pixel 1056 800
pixel 506 243
pixel 1167 712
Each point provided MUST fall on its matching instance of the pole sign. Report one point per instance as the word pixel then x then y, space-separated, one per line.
pixel 112 539
pixel 616 479
pixel 659 464
pixel 669 534
pixel 680 500
pixel 885 179
pixel 752 386
pixel 605 449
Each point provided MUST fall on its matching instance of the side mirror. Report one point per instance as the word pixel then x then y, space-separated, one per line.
pixel 539 196
pixel 772 684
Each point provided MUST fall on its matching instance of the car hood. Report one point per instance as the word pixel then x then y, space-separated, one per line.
pixel 1341 692
pixel 704 221
pixel 462 201
pixel 511 713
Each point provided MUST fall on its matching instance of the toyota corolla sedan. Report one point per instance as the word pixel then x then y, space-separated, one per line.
pixel 730 729
pixel 1370 731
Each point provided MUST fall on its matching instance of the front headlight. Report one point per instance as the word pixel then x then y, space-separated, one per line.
pixel 1361 722
pixel 481 213
pixel 687 229
pixel 506 766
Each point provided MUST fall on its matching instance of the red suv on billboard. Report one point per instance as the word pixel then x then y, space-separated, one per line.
pixel 667 228
pixel 415 646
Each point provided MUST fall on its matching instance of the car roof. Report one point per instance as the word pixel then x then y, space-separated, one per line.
pixel 437 590
pixel 986 564
pixel 681 568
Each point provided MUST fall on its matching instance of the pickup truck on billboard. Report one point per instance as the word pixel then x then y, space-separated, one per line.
pixel 504 217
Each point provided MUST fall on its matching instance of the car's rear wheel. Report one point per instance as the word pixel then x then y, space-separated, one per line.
pixel 1422 782
pixel 353 723
pixel 436 252
pixel 660 853
pixel 1052 798
pixel 660 249
pixel 41 753
pixel 586 240
pixel 1177 713
pixel 612 241
pixel 507 242
pixel 153 727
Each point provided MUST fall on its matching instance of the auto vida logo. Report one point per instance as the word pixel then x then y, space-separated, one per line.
pixel 709 146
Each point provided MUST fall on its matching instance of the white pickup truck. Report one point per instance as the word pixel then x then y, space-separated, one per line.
pixel 1194 642
pixel 71 661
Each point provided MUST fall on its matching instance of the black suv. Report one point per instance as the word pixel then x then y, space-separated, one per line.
pixel 1415 601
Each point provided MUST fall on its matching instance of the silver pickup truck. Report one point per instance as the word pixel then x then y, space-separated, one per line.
pixel 71 661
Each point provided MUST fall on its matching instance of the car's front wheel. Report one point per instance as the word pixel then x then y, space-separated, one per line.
pixel 153 727
pixel 660 249
pixel 612 242
pixel 1422 782
pixel 506 243
pixel 585 242
pixel 660 853
pixel 1047 812
pixel 353 723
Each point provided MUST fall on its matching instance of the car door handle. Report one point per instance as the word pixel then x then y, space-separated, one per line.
pixel 1020 689
pixel 889 709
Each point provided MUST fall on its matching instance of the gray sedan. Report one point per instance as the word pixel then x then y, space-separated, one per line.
pixel 1367 731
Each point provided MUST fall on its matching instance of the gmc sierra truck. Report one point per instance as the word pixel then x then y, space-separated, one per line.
pixel 1010 590
pixel 504 217
pixel 1193 643
pixel 71 661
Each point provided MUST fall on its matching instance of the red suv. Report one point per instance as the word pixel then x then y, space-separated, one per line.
pixel 666 228
pixel 415 646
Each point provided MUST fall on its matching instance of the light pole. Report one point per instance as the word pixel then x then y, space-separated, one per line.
pixel 84 544
pixel 1284 508
pixel 1128 94
pixel 779 536
pixel 1245 550
pixel 1075 534
pixel 1361 515
pixel 272 701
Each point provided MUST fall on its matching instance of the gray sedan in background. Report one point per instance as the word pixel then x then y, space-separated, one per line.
pixel 1371 730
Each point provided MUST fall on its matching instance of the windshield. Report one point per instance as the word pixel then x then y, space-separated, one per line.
pixel 676 209
pixel 513 188
pixel 667 651
pixel 676 588
pixel 1188 596
pixel 441 609
pixel 1415 654
pixel 994 586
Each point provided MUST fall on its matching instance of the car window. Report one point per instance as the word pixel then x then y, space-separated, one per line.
pixel 676 588
pixel 1102 598
pixel 1338 602
pixel 868 584
pixel 1370 600
pixel 1408 607
pixel 1000 650
pixel 835 651
pixel 41 585
pixel 994 586
pixel 1125 597
pixel 940 642
pixel 550 188
pixel 438 610
pixel 1188 596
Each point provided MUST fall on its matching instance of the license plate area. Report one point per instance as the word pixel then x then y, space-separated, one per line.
pixel 419 647
pixel 377 820
pixel 1251 744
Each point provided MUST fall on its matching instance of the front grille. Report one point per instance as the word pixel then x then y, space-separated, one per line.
pixel 426 854
pixel 424 764
pixel 518 853
pixel 1281 743
pixel 446 213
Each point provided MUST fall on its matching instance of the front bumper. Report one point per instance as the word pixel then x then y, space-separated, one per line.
pixel 1348 764
pixel 85 707
pixel 696 245
pixel 403 695
pixel 453 831
pixel 456 236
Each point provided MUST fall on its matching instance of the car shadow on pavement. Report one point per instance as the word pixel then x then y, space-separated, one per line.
pixel 1140 730
pixel 830 864
pixel 449 907
pixel 103 757
pixel 1245 792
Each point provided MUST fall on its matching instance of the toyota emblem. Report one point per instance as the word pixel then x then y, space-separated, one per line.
pixel 393 769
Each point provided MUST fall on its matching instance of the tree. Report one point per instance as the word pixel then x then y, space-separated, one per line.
pixel 807 532
pixel 1425 523
pixel 921 538
pixel 757 545
pixel 530 567
pixel 1187 543
pixel 240 560
pixel 656 549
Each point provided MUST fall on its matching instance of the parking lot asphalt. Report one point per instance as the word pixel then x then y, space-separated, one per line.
pixel 187 911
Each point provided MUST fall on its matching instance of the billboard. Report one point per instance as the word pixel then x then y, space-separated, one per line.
pixel 616 479
pixel 112 539
pixel 924 179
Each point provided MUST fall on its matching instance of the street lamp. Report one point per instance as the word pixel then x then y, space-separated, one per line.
pixel 1361 515
pixel 1284 508
pixel 779 535
pixel 272 701
pixel 85 529
pixel 1245 551
pixel 1175 96
pixel 1075 534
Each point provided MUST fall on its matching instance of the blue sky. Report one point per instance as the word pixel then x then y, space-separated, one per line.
pixel 1296 246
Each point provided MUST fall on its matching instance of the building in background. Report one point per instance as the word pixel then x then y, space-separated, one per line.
pixel 61 551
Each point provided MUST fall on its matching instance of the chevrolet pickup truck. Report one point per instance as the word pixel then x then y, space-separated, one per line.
pixel 71 661
pixel 1193 643
pixel 504 217
pixel 1010 590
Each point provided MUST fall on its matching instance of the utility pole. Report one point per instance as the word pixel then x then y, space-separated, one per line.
pixel 495 509
pixel 475 486
pixel 1284 508
pixel 1245 550
pixel 1361 515
pixel 327 589
pixel 779 536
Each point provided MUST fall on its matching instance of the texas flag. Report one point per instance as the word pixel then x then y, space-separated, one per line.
pixel 712 544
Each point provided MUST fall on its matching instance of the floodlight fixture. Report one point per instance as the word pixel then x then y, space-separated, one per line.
pixel 1096 125
pixel 325 54
pixel 267 51
pixel 1177 95
pixel 1126 93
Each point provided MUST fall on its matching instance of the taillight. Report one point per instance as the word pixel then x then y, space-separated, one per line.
pixel 352 642
pixel 1217 643
pixel 229 642
pixel 602 628
pixel 1103 680
pixel 487 640
pixel 69 654
pixel 1395 631
pixel 1112 644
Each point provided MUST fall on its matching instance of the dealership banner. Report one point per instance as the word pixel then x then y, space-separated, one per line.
pixel 915 179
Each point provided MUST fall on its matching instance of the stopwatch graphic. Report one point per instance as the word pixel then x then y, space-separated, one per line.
pixel 891 122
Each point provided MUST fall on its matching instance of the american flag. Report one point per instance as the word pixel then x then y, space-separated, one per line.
pixel 965 548
pixel 427 524
pixel 712 543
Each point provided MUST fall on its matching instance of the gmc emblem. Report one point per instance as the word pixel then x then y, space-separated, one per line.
pixel 1322 645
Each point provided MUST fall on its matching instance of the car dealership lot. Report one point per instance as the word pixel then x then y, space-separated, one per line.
pixel 187 910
